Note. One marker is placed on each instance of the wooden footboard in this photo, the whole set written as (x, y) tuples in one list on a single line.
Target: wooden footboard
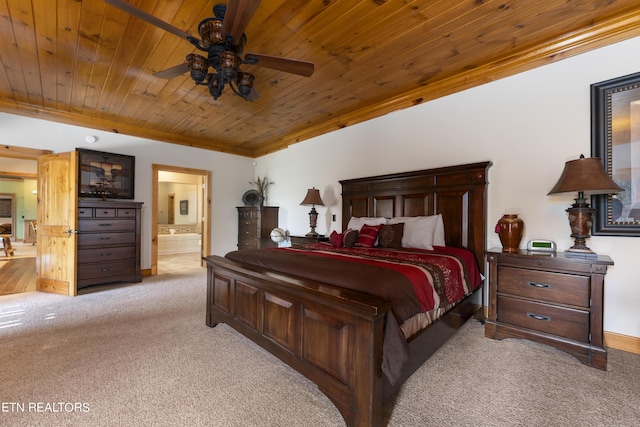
[(331, 335)]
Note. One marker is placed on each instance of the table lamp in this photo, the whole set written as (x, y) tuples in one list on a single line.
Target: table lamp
[(312, 198), (584, 176)]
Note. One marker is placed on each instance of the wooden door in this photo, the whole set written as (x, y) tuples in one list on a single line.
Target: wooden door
[(57, 221)]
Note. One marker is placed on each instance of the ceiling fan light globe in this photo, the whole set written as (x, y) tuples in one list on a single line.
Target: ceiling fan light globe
[(245, 83), (228, 64), (197, 62), (198, 67), (215, 86), (210, 31), (245, 79)]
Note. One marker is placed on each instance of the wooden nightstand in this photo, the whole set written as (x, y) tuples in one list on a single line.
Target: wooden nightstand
[(549, 298), (298, 241)]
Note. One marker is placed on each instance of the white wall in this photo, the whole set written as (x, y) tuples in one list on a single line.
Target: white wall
[(230, 174), (528, 125)]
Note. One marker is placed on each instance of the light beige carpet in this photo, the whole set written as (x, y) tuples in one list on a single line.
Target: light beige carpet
[(141, 355)]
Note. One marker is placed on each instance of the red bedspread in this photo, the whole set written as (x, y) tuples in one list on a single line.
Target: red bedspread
[(413, 280)]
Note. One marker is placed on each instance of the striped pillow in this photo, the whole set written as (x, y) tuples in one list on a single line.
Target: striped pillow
[(367, 236)]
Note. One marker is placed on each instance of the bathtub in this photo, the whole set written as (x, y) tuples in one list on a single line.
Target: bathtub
[(178, 243)]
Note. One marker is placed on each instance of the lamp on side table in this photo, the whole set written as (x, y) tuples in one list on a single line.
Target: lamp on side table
[(312, 199)]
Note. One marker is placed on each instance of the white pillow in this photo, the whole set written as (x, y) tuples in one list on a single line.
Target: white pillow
[(418, 230), (356, 223)]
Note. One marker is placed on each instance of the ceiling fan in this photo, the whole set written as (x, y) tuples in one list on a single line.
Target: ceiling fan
[(223, 39)]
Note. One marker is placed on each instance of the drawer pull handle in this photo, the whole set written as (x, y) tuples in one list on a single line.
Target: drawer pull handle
[(539, 317), (105, 225), (105, 254), (539, 285), (104, 270)]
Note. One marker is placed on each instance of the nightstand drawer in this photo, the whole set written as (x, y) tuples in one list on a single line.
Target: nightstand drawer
[(544, 286), (545, 263), (565, 322)]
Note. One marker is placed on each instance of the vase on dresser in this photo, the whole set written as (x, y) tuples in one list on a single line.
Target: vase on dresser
[(510, 229)]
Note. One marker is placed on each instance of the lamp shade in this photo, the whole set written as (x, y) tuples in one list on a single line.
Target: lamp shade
[(585, 175), (312, 198)]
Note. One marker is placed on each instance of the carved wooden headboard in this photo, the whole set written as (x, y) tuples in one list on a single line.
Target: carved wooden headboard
[(456, 192)]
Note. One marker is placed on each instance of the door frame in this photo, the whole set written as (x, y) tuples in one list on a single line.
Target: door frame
[(205, 247)]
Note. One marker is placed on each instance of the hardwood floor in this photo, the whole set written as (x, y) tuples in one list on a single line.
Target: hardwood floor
[(18, 272), (17, 275)]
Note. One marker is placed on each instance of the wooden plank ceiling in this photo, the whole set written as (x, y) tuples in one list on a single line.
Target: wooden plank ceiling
[(88, 63)]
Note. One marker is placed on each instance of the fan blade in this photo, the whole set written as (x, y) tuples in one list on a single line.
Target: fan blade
[(237, 17), (293, 66), (138, 13), (172, 72)]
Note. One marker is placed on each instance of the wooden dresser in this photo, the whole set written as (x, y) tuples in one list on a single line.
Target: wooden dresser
[(108, 242), (549, 298), (254, 226)]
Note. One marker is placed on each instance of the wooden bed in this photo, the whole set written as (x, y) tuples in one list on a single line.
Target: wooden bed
[(332, 335)]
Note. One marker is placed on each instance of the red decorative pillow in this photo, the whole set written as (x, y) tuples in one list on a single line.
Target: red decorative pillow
[(367, 236), (390, 236), (336, 239)]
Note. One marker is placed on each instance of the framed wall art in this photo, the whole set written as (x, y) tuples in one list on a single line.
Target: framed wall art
[(184, 207), (6, 208), (615, 139), (105, 175)]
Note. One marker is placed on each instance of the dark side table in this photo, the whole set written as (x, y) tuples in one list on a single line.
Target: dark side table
[(549, 298)]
